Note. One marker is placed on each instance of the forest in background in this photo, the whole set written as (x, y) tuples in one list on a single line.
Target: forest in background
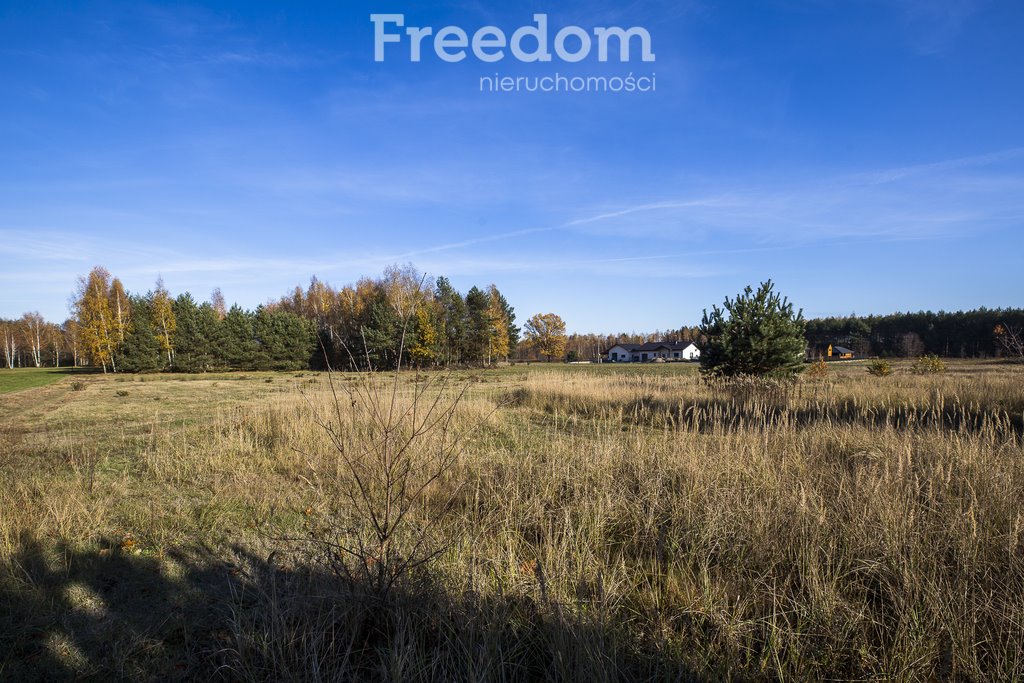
[(405, 317), (979, 333)]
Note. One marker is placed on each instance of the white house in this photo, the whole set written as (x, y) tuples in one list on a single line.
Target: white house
[(643, 353)]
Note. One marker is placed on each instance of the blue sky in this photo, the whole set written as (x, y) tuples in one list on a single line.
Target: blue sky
[(866, 155)]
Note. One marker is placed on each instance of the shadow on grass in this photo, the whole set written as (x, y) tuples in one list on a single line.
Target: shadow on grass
[(102, 614), (67, 614)]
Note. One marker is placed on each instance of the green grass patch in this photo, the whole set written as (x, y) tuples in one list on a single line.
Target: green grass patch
[(30, 378)]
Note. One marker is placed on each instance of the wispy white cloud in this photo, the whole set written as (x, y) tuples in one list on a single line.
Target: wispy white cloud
[(679, 266), (936, 200), (57, 247), (469, 243), (657, 206), (978, 160)]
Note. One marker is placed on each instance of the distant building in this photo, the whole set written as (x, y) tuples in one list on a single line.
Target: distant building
[(644, 353), (838, 352)]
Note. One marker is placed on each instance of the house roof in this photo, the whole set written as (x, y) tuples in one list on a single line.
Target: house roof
[(841, 349), (627, 347), (652, 346), (671, 346)]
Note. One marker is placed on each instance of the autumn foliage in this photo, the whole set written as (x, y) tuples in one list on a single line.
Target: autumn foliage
[(545, 333)]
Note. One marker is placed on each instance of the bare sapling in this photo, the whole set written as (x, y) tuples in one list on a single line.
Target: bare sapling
[(393, 444)]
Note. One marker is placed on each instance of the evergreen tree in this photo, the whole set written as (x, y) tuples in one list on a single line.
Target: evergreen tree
[(140, 351), (285, 341), (451, 321), (212, 328), (510, 320), (757, 333), (380, 335), (328, 351), (194, 336), (238, 350), (477, 327)]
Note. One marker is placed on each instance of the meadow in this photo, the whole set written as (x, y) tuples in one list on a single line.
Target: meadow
[(523, 523), (29, 378)]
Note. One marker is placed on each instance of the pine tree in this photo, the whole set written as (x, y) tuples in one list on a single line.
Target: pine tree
[(194, 337), (757, 333), (380, 335), (477, 335), (213, 332), (285, 341), (451, 322), (238, 347), (510, 318), (141, 350)]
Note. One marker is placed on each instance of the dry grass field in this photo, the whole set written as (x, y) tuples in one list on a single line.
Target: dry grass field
[(525, 523)]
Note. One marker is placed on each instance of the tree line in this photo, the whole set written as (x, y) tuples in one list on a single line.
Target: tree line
[(981, 333), (398, 319), (154, 331), (402, 317)]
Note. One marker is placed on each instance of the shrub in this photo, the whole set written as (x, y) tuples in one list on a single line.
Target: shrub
[(391, 453), (77, 385), (928, 364), (880, 368), (817, 370)]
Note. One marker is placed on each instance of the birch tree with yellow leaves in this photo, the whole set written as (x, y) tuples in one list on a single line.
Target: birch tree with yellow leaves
[(163, 320), (96, 325), (425, 339)]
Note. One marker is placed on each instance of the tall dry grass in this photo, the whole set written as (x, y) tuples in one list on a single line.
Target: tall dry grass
[(599, 526)]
